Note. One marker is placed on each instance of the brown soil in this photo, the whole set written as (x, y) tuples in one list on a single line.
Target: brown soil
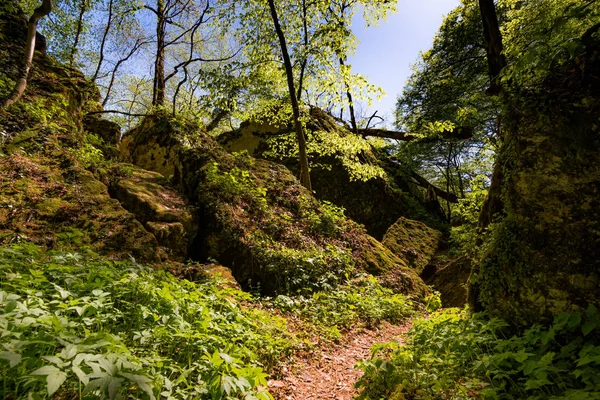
[(329, 373)]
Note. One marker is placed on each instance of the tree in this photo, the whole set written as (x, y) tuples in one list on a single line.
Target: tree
[(493, 43), (313, 47), (304, 169), (456, 125), (44, 9)]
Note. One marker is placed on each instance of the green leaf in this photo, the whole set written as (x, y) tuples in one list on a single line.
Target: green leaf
[(588, 326), (13, 358), (81, 375), (226, 357), (10, 306), (46, 370), (113, 387), (69, 352), (54, 380)]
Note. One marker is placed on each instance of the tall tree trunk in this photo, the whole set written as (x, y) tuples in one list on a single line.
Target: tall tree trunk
[(158, 96), (44, 9), (304, 169), (493, 44), (78, 32), (496, 62)]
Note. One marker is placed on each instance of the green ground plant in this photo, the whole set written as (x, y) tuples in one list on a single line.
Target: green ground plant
[(361, 301), (75, 326), (456, 355)]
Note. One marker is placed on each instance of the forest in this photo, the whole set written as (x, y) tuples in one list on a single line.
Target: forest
[(195, 203)]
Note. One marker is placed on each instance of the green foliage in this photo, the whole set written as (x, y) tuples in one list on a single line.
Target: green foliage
[(237, 183), (538, 34), (433, 302), (329, 221), (82, 327), (89, 155), (352, 151), (308, 270), (363, 300), (466, 233), (456, 355)]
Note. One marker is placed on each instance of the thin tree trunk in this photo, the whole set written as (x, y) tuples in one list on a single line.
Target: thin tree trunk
[(158, 96), (103, 43), (305, 59), (78, 32), (350, 101), (44, 9), (493, 203), (304, 169), (493, 44)]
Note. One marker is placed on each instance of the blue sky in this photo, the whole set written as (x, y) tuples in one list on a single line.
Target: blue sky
[(385, 53)]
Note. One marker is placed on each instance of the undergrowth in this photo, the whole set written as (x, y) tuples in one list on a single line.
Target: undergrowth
[(362, 301), (454, 355), (75, 326)]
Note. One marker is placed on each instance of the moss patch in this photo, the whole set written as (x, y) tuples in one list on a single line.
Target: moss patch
[(412, 241)]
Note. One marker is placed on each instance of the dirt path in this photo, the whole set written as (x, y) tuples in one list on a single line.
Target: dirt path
[(329, 373)]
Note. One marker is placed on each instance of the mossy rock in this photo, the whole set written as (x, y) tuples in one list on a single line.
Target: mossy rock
[(46, 195), (256, 217), (413, 241), (451, 280), (41, 205), (160, 208), (543, 256), (376, 203)]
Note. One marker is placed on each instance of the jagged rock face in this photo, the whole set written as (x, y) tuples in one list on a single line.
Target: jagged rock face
[(161, 210), (544, 253), (413, 241), (46, 195), (376, 203), (257, 219)]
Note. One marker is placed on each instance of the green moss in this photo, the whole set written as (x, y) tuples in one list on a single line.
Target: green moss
[(413, 241)]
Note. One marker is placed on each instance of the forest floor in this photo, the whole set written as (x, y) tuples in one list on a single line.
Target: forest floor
[(328, 372)]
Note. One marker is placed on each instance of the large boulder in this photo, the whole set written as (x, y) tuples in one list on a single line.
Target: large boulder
[(543, 256), (450, 279), (256, 217), (413, 241)]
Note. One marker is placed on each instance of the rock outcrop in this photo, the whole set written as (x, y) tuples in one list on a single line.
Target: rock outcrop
[(257, 219), (544, 203), (161, 209), (46, 194), (451, 279), (342, 157)]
